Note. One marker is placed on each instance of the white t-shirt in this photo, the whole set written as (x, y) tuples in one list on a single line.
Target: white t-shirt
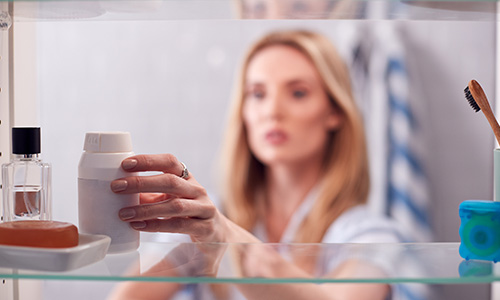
[(356, 225)]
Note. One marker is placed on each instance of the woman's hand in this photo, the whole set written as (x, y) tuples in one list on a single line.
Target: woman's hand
[(169, 203)]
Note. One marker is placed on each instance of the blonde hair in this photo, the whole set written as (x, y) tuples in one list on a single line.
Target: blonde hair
[(346, 179)]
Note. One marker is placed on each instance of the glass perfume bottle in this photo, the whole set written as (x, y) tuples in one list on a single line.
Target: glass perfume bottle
[(26, 180)]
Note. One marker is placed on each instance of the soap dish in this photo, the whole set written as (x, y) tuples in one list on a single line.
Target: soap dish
[(90, 249)]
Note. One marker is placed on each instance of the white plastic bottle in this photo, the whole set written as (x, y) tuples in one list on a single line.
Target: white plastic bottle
[(98, 206)]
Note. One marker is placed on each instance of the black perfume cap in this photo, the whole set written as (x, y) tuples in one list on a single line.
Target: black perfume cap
[(26, 140)]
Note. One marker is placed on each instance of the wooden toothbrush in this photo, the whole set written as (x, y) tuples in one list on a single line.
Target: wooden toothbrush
[(477, 99)]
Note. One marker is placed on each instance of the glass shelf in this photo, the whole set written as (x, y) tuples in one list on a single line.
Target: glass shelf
[(429, 263), (113, 10)]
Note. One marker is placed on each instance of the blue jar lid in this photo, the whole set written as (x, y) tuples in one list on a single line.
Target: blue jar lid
[(480, 205)]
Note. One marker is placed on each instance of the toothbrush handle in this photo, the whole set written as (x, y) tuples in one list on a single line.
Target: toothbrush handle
[(493, 123), (481, 100)]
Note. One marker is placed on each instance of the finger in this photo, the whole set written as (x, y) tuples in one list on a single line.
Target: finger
[(166, 163), (193, 227), (153, 197), (172, 208), (163, 183)]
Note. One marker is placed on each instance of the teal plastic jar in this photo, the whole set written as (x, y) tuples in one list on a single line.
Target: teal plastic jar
[(480, 230)]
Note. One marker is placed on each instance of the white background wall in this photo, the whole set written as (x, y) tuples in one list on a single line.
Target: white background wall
[(169, 82), (443, 57)]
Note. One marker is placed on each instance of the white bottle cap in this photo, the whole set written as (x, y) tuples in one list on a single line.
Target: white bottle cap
[(103, 154), (108, 142)]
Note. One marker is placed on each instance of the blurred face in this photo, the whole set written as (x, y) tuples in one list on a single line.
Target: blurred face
[(286, 110)]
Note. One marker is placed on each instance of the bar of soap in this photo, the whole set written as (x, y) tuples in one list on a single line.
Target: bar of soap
[(35, 233)]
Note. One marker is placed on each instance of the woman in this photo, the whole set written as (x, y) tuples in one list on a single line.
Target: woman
[(296, 170)]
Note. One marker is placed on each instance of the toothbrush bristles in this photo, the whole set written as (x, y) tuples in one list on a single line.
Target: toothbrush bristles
[(471, 100)]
